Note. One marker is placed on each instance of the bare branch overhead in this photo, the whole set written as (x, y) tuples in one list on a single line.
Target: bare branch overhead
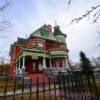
[(4, 23), (96, 14), (4, 4)]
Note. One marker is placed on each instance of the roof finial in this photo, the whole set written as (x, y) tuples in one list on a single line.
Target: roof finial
[(56, 23), (26, 36)]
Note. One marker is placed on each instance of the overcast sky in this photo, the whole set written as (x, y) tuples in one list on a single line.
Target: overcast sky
[(26, 16)]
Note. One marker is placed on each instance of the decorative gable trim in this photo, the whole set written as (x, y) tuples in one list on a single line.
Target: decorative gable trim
[(34, 48)]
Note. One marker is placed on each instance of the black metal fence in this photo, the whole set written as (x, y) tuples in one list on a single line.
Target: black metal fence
[(64, 86)]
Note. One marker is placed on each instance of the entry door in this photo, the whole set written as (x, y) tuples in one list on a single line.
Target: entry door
[(40, 61), (35, 66)]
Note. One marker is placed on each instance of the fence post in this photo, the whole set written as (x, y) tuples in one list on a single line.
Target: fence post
[(95, 86), (89, 83), (59, 83), (5, 91), (14, 88), (49, 90), (76, 85), (30, 88), (37, 85), (64, 87), (80, 85), (86, 84), (83, 84), (55, 88), (68, 84), (72, 84), (43, 89), (22, 88)]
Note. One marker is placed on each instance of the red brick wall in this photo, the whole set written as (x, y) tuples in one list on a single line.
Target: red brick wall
[(62, 46), (49, 45), (14, 53)]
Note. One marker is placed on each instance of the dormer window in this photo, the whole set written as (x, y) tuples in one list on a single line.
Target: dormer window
[(40, 44), (34, 43)]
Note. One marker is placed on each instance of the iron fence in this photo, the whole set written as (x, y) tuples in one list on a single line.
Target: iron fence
[(64, 86)]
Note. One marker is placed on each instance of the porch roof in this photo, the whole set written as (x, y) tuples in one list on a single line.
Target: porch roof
[(32, 51)]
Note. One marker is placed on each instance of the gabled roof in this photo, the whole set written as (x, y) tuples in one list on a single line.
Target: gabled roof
[(43, 32), (38, 30)]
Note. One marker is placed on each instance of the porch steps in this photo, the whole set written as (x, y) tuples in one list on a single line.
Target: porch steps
[(54, 72), (34, 78), (51, 72), (41, 77)]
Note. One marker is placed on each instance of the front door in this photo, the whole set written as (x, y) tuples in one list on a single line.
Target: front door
[(40, 63), (35, 66)]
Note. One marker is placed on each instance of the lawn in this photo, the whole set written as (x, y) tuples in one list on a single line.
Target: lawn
[(33, 97), (10, 85)]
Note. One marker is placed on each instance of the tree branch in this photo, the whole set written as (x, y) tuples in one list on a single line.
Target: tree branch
[(4, 4), (96, 15), (4, 23)]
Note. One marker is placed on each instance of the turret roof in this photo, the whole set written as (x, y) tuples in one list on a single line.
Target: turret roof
[(57, 31)]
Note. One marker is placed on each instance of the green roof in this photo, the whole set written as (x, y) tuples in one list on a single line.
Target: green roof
[(43, 32)]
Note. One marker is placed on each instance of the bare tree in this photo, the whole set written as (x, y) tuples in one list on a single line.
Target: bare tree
[(3, 22), (93, 12)]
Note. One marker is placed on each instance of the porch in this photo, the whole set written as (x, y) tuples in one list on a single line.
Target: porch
[(35, 60)]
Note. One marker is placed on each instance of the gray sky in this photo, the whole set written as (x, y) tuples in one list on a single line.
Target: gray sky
[(27, 15)]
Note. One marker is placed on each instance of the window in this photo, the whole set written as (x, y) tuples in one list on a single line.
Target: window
[(33, 43), (40, 45), (38, 42), (61, 38)]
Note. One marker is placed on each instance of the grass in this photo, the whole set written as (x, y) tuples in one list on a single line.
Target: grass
[(33, 97), (10, 85)]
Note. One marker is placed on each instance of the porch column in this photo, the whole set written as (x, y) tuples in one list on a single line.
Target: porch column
[(44, 63), (19, 68), (50, 63), (67, 64), (23, 65), (63, 63)]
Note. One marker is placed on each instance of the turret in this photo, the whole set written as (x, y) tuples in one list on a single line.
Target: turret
[(59, 35)]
